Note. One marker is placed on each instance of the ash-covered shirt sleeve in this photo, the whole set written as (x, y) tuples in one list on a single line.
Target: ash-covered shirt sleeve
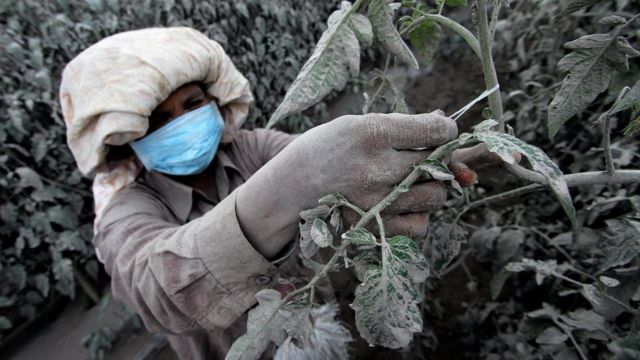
[(203, 274)]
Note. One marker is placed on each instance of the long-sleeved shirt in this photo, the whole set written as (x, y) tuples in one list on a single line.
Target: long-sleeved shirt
[(180, 259)]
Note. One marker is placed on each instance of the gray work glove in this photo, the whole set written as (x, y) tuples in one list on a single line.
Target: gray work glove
[(360, 156)]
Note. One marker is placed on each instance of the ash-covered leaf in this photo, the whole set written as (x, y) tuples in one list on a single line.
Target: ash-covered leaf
[(445, 242), (320, 233), (308, 247), (542, 268), (593, 295), (612, 20), (362, 28), (359, 236), (335, 57), (386, 33), (333, 199), (386, 302), (631, 98), (552, 336), (296, 322), (609, 281), (29, 178), (590, 68), (385, 92), (576, 5), (436, 170), (627, 348), (425, 38), (63, 273), (506, 145), (363, 262), (626, 247)]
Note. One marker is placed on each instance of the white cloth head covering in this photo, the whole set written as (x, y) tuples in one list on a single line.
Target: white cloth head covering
[(109, 90)]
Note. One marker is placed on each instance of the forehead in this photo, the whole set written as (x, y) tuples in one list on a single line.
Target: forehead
[(181, 93)]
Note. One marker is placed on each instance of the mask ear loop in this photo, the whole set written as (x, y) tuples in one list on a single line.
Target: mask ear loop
[(460, 112)]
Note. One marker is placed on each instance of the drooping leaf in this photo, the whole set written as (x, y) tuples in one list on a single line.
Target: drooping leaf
[(631, 98), (590, 68), (359, 236), (506, 145), (552, 336), (296, 322), (362, 28), (386, 92), (335, 57), (386, 302), (425, 38), (576, 5), (386, 33)]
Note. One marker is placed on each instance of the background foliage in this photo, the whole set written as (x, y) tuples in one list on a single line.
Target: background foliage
[(46, 210)]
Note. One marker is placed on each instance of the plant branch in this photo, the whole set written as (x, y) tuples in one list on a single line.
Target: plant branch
[(467, 35), (579, 179), (490, 75)]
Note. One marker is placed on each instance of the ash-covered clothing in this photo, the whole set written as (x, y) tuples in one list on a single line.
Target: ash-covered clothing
[(180, 259)]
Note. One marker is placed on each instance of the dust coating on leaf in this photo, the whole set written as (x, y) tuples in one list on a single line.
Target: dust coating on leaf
[(386, 302), (335, 57), (386, 33)]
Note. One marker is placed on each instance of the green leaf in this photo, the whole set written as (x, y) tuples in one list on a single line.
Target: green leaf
[(590, 68), (320, 233), (630, 98), (386, 33), (576, 5), (359, 236), (456, 3), (506, 145), (386, 302), (335, 57), (425, 38)]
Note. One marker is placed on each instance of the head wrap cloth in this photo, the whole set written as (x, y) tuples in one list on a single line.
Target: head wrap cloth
[(109, 90)]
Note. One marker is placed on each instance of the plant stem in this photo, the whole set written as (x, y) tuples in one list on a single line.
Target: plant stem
[(467, 35), (608, 156), (490, 75), (579, 179)]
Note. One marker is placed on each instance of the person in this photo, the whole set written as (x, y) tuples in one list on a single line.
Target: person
[(195, 215)]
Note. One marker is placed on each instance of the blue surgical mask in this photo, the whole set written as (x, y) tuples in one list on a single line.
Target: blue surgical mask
[(184, 146)]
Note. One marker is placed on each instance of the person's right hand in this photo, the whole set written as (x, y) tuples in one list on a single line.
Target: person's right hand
[(362, 157)]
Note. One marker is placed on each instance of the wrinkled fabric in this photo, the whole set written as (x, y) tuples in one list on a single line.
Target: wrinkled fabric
[(109, 90), (180, 259)]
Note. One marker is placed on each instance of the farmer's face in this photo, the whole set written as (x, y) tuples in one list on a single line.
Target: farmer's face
[(184, 99)]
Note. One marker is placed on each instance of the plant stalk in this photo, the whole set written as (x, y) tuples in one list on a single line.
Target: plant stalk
[(489, 69)]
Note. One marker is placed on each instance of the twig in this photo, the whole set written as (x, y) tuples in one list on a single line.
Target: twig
[(490, 75)]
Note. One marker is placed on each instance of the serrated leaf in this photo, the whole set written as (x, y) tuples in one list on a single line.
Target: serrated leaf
[(335, 57), (590, 68), (631, 98), (576, 5), (506, 145), (425, 38), (386, 302), (320, 233), (386, 33), (552, 336), (359, 236)]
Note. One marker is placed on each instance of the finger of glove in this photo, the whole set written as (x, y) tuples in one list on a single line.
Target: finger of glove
[(403, 131), (426, 196), (400, 164), (413, 225)]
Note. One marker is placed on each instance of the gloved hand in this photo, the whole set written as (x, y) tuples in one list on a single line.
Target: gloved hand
[(361, 157)]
